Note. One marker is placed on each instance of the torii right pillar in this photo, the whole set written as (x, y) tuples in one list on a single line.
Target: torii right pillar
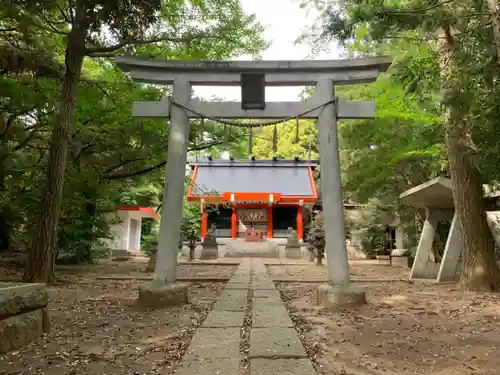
[(339, 292)]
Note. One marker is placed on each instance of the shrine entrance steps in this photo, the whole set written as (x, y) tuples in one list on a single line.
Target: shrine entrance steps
[(239, 248), (248, 331)]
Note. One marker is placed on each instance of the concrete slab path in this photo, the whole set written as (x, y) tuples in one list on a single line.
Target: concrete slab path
[(249, 300)]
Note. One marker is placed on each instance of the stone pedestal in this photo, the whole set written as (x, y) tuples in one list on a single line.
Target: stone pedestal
[(154, 296), (340, 297), (293, 247), (23, 314), (239, 248), (293, 251), (209, 249), (208, 253)]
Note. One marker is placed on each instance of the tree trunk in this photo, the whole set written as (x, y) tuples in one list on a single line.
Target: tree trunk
[(43, 250), (4, 220), (4, 231), (479, 269), (495, 25), (434, 256), (192, 248), (91, 210)]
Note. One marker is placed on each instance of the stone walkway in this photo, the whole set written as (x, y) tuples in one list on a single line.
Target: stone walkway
[(275, 348)]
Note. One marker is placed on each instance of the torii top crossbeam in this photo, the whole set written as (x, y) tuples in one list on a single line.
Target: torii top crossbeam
[(278, 73)]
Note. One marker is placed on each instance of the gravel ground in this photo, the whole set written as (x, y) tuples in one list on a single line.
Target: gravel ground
[(358, 269), (406, 328), (97, 327)]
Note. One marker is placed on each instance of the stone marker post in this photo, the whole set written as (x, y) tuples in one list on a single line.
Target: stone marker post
[(210, 247), (293, 247)]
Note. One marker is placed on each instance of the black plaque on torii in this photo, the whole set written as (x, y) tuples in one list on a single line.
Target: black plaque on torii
[(253, 91)]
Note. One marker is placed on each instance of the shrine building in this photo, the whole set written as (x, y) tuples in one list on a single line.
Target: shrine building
[(268, 196)]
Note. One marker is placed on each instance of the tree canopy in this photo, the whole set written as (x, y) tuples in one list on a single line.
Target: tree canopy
[(446, 57), (68, 144)]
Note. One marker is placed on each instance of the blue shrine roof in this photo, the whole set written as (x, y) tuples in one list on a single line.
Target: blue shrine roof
[(287, 177)]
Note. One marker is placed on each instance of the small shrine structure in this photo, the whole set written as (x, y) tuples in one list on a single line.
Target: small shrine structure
[(436, 197), (126, 224)]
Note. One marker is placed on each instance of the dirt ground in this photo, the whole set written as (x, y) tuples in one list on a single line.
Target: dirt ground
[(135, 268), (406, 328), (98, 329), (375, 270), (131, 268)]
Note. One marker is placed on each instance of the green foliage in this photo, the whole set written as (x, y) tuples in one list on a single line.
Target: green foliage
[(150, 230), (316, 236), (401, 148), (411, 32), (81, 237), (447, 52), (191, 218), (147, 195), (404, 146), (287, 147), (112, 158), (191, 223), (371, 223)]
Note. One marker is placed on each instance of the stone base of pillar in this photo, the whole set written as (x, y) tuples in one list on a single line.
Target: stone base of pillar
[(339, 297), (293, 252), (209, 253), (428, 270), (163, 296)]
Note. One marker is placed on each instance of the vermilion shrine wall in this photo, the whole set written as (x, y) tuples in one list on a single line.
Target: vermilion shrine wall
[(266, 224)]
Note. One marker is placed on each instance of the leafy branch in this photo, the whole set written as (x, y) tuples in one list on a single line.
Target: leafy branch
[(163, 163)]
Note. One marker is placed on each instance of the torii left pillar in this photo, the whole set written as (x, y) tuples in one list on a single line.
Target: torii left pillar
[(164, 291)]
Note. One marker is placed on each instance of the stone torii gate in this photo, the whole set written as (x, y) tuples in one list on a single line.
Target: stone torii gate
[(323, 106)]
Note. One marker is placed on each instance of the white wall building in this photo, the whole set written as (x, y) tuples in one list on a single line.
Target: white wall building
[(126, 227)]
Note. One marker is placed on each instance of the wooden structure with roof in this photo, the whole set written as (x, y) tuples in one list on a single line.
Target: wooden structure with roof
[(126, 231), (436, 197), (267, 195)]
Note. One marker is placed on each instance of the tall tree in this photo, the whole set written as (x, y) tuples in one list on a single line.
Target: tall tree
[(460, 36), (286, 141), (403, 147), (100, 29)]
